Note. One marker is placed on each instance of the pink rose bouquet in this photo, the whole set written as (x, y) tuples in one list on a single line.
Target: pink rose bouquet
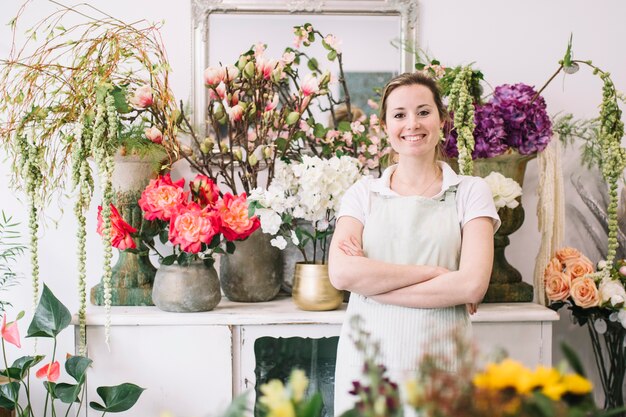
[(197, 222)]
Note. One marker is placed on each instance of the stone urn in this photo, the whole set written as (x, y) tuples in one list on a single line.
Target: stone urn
[(133, 274)]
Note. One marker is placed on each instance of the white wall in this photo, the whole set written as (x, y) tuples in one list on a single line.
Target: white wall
[(511, 41)]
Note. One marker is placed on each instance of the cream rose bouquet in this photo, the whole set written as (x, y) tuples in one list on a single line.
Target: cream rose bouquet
[(308, 191), (505, 191), (198, 222), (599, 303)]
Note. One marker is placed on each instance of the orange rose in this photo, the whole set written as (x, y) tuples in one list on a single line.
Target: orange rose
[(578, 267), (584, 292), (557, 285), (568, 253)]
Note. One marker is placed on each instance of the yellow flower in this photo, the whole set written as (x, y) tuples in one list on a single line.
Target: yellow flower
[(414, 393), (284, 409), (505, 374), (298, 383), (274, 394), (577, 384), (554, 391), (541, 377)]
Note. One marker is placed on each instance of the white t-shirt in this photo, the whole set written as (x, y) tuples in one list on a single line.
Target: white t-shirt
[(473, 196)]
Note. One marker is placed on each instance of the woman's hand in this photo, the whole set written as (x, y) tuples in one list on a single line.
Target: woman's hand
[(351, 247)]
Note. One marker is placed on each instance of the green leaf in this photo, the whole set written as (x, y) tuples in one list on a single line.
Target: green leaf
[(14, 373), (50, 317), (118, 398), (164, 236), (50, 386), (209, 261), (168, 260), (344, 126), (119, 97), (572, 359), (332, 55), (230, 248), (319, 130), (351, 413), (215, 242), (25, 363), (76, 367), (313, 64), (10, 392), (544, 405), (67, 393), (184, 258), (281, 144), (311, 408)]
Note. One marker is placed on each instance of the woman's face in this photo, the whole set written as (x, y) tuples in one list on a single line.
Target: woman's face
[(412, 121)]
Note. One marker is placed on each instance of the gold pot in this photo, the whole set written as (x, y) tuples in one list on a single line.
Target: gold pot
[(312, 290)]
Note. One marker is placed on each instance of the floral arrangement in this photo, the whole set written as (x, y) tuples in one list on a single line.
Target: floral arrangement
[(505, 191), (349, 131), (507, 388), (599, 303), (50, 318), (198, 222), (86, 91), (310, 190), (514, 118), (254, 118)]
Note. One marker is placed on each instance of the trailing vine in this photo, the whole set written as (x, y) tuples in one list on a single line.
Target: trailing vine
[(612, 158), (461, 104)]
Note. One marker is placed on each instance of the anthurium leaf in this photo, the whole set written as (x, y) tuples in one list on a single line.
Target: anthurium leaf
[(25, 363), (26, 412), (10, 392), (118, 398), (68, 393), (573, 359), (312, 407), (50, 386), (14, 373), (6, 403), (76, 367), (50, 317)]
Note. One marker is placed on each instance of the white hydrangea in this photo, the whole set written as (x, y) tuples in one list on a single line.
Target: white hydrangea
[(270, 220), (504, 190)]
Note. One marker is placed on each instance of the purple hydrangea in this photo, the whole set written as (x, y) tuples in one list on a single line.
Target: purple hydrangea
[(527, 125), (489, 135), (509, 120)]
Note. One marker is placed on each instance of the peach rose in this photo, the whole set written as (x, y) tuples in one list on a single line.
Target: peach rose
[(192, 226), (557, 285), (162, 198), (567, 253), (584, 292), (553, 266), (233, 211), (204, 191), (578, 267)]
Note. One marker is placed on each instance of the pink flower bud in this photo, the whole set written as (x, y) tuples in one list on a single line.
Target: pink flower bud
[(154, 134), (271, 105), (142, 97), (213, 75), (310, 85), (235, 113), (622, 270)]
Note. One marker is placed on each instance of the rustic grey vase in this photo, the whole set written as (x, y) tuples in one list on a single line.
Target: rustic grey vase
[(254, 272), (182, 289)]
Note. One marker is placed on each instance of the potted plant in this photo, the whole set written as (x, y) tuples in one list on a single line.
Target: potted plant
[(198, 223), (309, 191), (95, 89), (50, 318)]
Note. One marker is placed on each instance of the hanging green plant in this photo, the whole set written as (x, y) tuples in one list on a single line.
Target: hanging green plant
[(461, 104)]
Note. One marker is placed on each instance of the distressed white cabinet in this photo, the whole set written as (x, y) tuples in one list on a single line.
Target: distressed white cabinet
[(193, 364)]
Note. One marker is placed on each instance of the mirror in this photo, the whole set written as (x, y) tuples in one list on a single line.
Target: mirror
[(223, 29)]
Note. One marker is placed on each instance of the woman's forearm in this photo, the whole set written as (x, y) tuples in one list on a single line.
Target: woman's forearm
[(370, 277), (449, 289)]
